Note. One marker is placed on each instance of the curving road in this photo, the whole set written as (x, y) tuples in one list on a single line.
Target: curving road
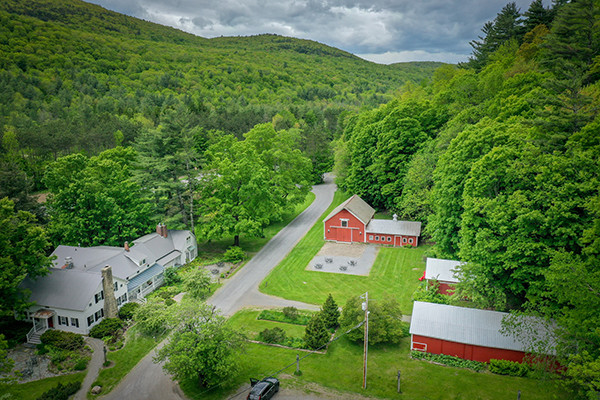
[(148, 381)]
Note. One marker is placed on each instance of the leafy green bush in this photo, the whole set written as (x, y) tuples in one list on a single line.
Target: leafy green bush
[(505, 367), (62, 340), (107, 327), (448, 360), (296, 343), (290, 312), (80, 365), (127, 310), (275, 335), (234, 254), (279, 316), (431, 294), (171, 276), (61, 392)]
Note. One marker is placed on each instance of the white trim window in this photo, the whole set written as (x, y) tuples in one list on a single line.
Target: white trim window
[(377, 238), (389, 238), (403, 240), (370, 237), (343, 223), (90, 320), (75, 322), (410, 241), (63, 320)]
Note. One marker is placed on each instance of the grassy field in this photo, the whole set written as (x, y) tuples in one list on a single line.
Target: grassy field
[(33, 390), (395, 272), (341, 369), (136, 347), (208, 251)]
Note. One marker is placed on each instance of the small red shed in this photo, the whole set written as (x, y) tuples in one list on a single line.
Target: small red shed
[(442, 271), (466, 333), (352, 221)]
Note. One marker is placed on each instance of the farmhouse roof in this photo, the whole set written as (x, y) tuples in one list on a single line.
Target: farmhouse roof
[(358, 207), (442, 270), (63, 288), (391, 227), (471, 326)]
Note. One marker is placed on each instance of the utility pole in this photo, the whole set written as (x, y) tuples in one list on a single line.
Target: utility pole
[(366, 309)]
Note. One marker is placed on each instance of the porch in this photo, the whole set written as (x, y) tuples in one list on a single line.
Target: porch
[(42, 321)]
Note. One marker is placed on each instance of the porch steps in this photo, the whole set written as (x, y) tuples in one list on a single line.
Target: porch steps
[(34, 338)]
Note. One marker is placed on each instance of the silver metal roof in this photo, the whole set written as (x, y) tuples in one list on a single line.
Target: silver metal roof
[(64, 288), (440, 269), (391, 227), (356, 206), (466, 325), (146, 275)]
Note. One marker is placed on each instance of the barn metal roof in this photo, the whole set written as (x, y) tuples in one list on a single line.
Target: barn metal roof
[(356, 206), (471, 326), (391, 227), (442, 270)]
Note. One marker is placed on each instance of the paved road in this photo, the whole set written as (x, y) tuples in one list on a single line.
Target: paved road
[(148, 381)]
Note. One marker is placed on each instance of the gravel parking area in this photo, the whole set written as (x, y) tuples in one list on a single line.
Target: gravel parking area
[(341, 258)]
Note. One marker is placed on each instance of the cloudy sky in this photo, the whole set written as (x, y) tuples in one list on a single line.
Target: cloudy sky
[(384, 31)]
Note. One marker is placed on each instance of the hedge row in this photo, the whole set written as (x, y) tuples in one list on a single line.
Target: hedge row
[(448, 360)]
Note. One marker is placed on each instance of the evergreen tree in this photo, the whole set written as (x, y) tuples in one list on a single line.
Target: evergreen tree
[(330, 313), (536, 15), (316, 334)]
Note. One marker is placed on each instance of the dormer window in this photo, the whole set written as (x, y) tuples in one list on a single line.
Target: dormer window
[(143, 262)]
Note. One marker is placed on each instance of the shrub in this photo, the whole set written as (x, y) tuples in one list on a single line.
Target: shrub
[(234, 254), (61, 392), (62, 340), (431, 294), (448, 360), (505, 367), (106, 327), (290, 312), (171, 277), (80, 365), (279, 316), (316, 333), (275, 335), (127, 310)]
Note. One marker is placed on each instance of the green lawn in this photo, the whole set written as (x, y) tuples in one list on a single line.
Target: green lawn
[(341, 369), (33, 390), (208, 251), (252, 326), (395, 272), (136, 347)]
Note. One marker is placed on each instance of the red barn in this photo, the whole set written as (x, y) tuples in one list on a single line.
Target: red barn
[(467, 333), (442, 271), (352, 222)]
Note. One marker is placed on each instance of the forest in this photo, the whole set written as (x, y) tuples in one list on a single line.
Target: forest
[(499, 157), (121, 122)]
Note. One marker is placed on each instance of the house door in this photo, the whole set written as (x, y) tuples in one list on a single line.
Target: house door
[(51, 322)]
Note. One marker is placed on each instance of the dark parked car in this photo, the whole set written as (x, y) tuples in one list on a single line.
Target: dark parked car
[(264, 389)]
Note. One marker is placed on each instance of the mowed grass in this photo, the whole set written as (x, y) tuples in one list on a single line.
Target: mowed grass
[(136, 347), (341, 369), (253, 326), (213, 249), (34, 389), (395, 272)]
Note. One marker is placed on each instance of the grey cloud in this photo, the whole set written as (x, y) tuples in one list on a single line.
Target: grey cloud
[(359, 26)]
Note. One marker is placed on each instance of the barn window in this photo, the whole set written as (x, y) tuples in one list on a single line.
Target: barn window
[(376, 238), (403, 240), (389, 238), (370, 237), (410, 240), (344, 223)]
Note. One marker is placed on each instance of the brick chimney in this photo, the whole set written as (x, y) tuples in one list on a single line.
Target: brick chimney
[(126, 246), (165, 233), (159, 229), (110, 302)]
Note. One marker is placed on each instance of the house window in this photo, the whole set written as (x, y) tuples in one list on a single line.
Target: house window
[(99, 296), (389, 238), (377, 238), (118, 301), (75, 322), (370, 237), (124, 298), (344, 223), (99, 314), (90, 320), (116, 286), (63, 321)]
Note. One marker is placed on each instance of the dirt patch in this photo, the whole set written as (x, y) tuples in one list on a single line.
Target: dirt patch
[(354, 250), (221, 270), (28, 365)]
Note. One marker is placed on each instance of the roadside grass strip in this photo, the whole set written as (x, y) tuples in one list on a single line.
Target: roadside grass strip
[(34, 389), (395, 272)]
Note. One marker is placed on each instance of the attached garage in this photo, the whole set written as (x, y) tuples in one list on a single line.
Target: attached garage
[(467, 333)]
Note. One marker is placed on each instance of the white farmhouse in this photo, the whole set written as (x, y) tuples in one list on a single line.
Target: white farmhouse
[(72, 297)]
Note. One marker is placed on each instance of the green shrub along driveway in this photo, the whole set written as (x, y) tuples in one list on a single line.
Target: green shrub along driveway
[(395, 272)]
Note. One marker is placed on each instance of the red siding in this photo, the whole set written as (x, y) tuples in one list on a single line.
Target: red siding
[(446, 288), (466, 351), (354, 232)]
